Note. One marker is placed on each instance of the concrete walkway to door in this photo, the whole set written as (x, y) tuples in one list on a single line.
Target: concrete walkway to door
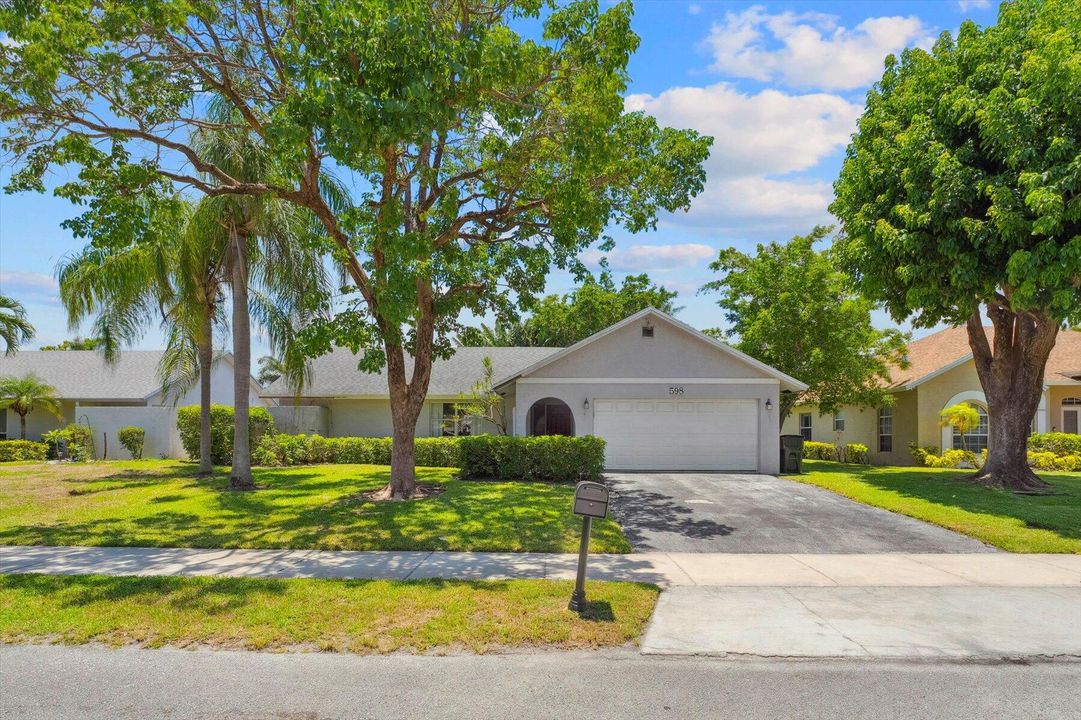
[(735, 513)]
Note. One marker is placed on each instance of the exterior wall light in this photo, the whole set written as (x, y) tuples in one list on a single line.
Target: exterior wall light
[(769, 404), (585, 404)]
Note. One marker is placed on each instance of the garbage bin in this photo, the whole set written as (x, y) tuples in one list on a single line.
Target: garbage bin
[(791, 453)]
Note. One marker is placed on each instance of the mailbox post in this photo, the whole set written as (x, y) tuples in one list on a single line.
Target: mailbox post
[(590, 501)]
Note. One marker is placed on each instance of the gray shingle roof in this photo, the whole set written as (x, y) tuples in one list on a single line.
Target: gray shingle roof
[(336, 374), (84, 374)]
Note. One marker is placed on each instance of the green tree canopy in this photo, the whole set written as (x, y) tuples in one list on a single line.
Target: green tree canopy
[(76, 343), (791, 306), (962, 189), (477, 156), (562, 320)]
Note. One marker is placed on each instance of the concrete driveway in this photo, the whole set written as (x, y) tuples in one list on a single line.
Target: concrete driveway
[(729, 513)]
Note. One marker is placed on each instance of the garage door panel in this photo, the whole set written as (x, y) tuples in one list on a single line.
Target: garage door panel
[(679, 434)]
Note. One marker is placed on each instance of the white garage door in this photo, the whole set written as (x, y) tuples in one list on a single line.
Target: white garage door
[(678, 434)]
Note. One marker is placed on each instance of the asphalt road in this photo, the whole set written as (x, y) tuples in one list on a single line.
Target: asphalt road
[(733, 513), (92, 683)]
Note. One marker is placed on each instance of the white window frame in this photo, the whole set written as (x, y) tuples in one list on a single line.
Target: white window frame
[(838, 417), (1070, 404), (809, 428), (985, 420), (457, 422), (885, 413)]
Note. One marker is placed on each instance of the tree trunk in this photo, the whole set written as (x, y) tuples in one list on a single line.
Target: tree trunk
[(407, 398), (1012, 378), (241, 478), (206, 360), (22, 426)]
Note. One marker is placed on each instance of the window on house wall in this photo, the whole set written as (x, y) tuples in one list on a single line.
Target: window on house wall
[(885, 429), (4, 424), (838, 422), (448, 421), (1071, 415), (805, 426), (976, 439)]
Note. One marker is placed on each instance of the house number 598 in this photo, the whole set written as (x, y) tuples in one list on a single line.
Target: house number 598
[(675, 389)]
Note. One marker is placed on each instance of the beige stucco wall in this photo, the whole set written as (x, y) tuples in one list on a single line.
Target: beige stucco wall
[(1055, 395), (670, 353), (936, 393), (861, 426)]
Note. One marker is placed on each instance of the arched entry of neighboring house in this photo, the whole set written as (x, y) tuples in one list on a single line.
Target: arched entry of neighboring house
[(550, 416)]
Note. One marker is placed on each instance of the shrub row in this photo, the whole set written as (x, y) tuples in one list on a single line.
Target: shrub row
[(551, 458), (481, 457), (281, 450), (955, 459), (23, 450), (1057, 443), (850, 452), (260, 422)]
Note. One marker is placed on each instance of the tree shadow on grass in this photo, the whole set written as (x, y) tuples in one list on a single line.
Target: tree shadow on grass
[(1059, 513)]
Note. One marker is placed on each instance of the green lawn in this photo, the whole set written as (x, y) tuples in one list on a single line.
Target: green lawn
[(1018, 523), (161, 503), (362, 616)]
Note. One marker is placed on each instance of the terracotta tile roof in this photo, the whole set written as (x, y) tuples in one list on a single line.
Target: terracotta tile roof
[(946, 347)]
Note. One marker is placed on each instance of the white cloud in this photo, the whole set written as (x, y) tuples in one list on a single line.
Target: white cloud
[(757, 206), (30, 287), (967, 5), (694, 9), (651, 257), (770, 132), (810, 50)]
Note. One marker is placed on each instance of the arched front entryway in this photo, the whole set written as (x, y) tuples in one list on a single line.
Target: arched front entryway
[(550, 416)]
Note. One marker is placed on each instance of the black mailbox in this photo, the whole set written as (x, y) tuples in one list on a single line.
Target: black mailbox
[(591, 499)]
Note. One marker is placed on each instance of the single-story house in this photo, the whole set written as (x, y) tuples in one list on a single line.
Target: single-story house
[(109, 397), (663, 395), (941, 373)]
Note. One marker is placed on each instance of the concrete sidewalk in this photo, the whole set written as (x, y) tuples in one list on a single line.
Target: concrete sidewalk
[(664, 569)]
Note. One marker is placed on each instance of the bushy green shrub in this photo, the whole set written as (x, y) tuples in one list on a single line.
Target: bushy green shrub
[(22, 450), (955, 459), (260, 422), (1044, 460), (1057, 443), (79, 440), (856, 453), (551, 458), (813, 450), (133, 438), (282, 450), (919, 453)]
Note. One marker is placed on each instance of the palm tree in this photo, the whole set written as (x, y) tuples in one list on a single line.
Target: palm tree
[(274, 261), (25, 394), (15, 329), (963, 417), (270, 369), (175, 278)]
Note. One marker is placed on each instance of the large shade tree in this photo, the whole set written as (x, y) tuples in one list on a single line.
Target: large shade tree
[(479, 156), (962, 190), (562, 320), (791, 306)]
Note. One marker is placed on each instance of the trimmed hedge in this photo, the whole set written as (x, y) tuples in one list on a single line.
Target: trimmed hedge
[(550, 458), (22, 450), (260, 422), (79, 440), (1057, 443), (850, 452), (133, 438), (482, 457), (955, 459), (281, 450), (1051, 461)]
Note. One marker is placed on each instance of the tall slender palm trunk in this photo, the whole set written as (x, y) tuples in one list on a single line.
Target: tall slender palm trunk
[(241, 477), (22, 427), (206, 360)]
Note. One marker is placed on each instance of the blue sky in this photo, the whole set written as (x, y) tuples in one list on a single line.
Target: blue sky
[(779, 86)]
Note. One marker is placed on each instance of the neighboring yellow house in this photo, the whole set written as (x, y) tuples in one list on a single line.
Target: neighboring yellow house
[(941, 373)]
